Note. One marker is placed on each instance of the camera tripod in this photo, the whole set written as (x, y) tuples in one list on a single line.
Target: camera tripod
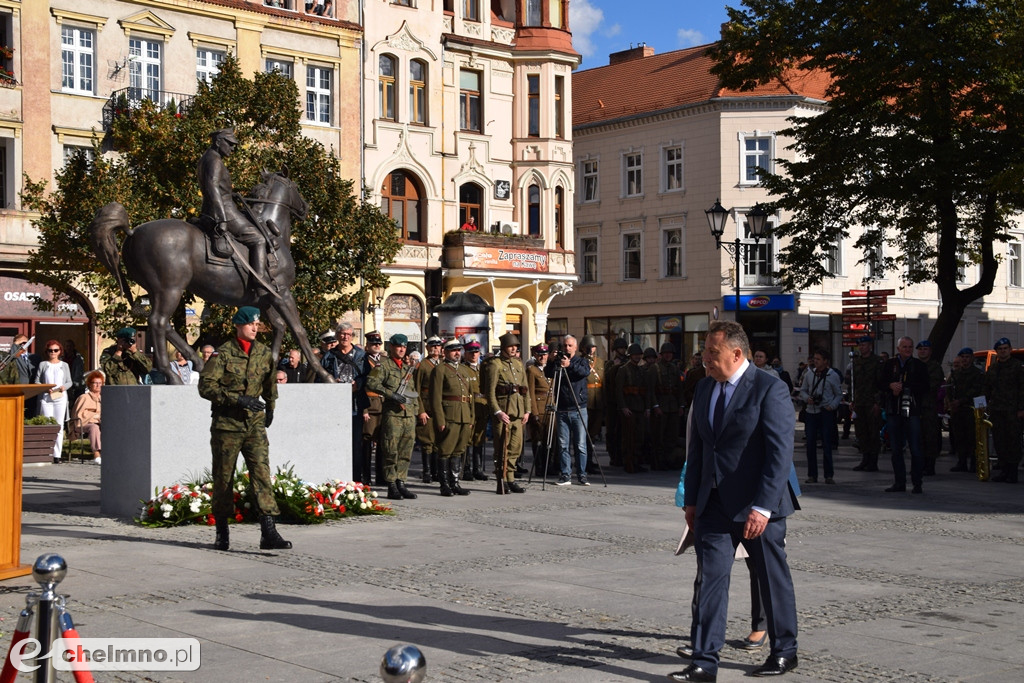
[(551, 414)]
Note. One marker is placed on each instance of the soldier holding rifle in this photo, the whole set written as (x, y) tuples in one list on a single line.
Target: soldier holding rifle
[(503, 381)]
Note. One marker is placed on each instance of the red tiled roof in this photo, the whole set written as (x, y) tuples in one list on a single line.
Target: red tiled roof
[(666, 81)]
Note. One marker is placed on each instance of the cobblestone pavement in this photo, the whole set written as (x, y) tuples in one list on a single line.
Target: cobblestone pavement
[(560, 584)]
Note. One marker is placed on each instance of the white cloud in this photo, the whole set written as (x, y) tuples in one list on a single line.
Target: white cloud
[(584, 21), (612, 31), (688, 37)]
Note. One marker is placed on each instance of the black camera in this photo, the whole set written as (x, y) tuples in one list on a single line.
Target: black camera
[(558, 354)]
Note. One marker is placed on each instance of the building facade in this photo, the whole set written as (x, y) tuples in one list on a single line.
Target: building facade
[(650, 160), (68, 59)]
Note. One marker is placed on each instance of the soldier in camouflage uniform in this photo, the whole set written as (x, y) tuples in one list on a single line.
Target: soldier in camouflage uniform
[(595, 399), (123, 363), (631, 397), (503, 380), (867, 423), (425, 429), (240, 384), (1004, 388), (613, 417), (666, 401), (931, 428), (473, 462), (454, 413), (967, 381), (391, 380)]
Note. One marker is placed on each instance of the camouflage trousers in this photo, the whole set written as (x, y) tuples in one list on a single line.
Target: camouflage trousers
[(398, 435), (255, 449), (513, 432)]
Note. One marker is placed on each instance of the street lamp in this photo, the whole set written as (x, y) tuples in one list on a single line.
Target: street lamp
[(757, 220)]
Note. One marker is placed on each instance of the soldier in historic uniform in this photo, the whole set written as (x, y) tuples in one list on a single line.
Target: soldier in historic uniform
[(1004, 389), (425, 430), (666, 401), (967, 382), (473, 461), (123, 363), (931, 428), (537, 427), (612, 414), (693, 374), (240, 384), (454, 413), (503, 380), (867, 423), (391, 379), (372, 407), (631, 396), (595, 398)]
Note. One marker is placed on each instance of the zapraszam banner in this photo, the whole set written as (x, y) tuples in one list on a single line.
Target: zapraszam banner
[(500, 258)]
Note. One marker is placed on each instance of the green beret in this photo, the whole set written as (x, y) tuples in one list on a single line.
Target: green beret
[(399, 340), (125, 333), (246, 315)]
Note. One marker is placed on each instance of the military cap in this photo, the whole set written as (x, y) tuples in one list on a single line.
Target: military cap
[(635, 350), (507, 340), (471, 346), (328, 337), (540, 348), (125, 333), (374, 338), (452, 344), (435, 341), (399, 340), (1001, 341), (588, 342), (668, 347), (865, 338), (619, 343), (246, 315), (924, 344), (966, 351)]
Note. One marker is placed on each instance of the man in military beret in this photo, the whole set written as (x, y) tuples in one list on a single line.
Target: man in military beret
[(371, 407), (123, 363), (966, 383), (425, 429), (1004, 388), (240, 384), (613, 418), (633, 402), (451, 398), (503, 380), (392, 379)]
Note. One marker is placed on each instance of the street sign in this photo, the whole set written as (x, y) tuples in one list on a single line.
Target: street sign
[(883, 316), (873, 292), (862, 327), (876, 306), (858, 317)]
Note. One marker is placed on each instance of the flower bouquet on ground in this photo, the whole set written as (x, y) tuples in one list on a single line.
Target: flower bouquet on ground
[(300, 502)]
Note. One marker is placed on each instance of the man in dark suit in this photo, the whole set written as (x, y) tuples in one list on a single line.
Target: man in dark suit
[(739, 458)]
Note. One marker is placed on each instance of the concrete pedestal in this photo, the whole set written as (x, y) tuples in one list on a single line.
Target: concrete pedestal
[(159, 435)]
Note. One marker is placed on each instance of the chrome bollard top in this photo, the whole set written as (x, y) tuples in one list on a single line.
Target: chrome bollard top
[(49, 570), (403, 664)]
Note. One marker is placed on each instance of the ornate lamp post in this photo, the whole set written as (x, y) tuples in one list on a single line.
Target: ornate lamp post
[(718, 216), (378, 308)]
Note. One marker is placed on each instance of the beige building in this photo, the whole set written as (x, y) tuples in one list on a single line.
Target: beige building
[(651, 159), (69, 58), (466, 119)]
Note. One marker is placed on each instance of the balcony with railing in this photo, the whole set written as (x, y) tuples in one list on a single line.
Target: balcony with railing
[(126, 100), (516, 254)]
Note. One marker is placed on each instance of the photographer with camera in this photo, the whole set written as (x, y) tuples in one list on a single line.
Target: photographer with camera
[(123, 363), (568, 372), (903, 384), (821, 393)]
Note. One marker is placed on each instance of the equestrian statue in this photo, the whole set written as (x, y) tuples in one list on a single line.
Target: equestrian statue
[(236, 253)]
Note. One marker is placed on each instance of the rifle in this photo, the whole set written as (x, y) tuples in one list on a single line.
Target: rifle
[(507, 428), (13, 353)]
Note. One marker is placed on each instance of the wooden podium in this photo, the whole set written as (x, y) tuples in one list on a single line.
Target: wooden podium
[(12, 429)]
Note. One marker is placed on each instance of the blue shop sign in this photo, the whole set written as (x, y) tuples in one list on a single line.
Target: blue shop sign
[(761, 302)]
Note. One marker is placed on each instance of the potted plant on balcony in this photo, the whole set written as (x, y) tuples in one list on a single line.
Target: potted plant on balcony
[(40, 436)]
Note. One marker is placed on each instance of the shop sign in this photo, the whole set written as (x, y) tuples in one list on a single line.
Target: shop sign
[(18, 298), (501, 258), (670, 323), (761, 302)]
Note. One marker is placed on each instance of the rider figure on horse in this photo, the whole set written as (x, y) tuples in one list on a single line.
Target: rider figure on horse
[(219, 208)]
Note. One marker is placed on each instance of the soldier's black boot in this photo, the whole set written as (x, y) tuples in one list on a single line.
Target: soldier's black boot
[(435, 473), (478, 463), (425, 457), (270, 539), (393, 492), (406, 493), (465, 464), (453, 477), (443, 477), (221, 542)]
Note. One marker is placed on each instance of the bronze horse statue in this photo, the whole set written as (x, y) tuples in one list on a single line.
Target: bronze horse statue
[(169, 256)]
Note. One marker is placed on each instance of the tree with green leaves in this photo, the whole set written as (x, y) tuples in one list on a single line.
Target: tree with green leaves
[(921, 146), (338, 249)]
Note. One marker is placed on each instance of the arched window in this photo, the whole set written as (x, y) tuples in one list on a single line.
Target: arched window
[(470, 196), (386, 87), (559, 217), (533, 210), (402, 201), (417, 91)]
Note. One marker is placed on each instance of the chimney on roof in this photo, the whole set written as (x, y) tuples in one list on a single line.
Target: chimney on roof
[(638, 52)]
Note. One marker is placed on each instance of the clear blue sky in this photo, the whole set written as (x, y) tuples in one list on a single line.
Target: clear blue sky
[(600, 27)]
